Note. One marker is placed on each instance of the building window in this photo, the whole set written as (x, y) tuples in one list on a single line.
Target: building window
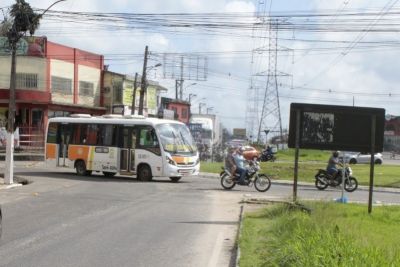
[(86, 88), (184, 113), (58, 113), (27, 80), (61, 85)]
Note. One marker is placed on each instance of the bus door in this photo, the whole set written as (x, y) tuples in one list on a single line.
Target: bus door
[(63, 140), (127, 157)]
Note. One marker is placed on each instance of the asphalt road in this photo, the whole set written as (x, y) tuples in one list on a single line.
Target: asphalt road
[(65, 220)]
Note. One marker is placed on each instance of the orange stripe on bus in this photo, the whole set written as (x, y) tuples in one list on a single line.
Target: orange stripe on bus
[(51, 151), (78, 152)]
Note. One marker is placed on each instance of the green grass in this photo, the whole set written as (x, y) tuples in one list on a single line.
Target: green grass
[(312, 160), (332, 235)]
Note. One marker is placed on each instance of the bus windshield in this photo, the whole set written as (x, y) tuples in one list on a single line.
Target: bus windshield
[(176, 138)]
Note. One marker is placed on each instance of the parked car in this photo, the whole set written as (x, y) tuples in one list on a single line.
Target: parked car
[(250, 153), (356, 157)]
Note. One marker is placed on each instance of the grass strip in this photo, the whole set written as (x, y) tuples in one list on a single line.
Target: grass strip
[(332, 234)]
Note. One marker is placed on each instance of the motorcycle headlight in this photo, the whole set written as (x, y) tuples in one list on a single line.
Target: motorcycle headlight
[(350, 171)]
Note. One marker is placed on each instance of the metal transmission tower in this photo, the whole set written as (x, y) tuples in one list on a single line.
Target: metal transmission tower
[(183, 67), (271, 106)]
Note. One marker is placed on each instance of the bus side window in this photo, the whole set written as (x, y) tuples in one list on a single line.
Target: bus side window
[(92, 131), (148, 140)]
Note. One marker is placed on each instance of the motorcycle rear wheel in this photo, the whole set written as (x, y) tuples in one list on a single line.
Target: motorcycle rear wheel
[(262, 183), (227, 182), (319, 184), (350, 184)]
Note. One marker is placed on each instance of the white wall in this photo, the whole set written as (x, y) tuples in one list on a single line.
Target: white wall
[(91, 75), (62, 69), (25, 64)]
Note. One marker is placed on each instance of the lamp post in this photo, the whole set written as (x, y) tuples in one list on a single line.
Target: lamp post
[(190, 97), (181, 91), (200, 105), (209, 109)]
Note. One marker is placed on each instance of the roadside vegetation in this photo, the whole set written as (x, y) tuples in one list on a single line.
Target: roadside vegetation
[(312, 160), (332, 234)]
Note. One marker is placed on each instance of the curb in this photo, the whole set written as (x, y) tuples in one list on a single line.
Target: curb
[(238, 235)]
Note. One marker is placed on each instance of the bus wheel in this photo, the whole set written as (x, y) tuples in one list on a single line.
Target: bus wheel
[(144, 173), (175, 179), (81, 168), (109, 174)]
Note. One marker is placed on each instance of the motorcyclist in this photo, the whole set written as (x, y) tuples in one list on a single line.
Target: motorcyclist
[(239, 161), (333, 162), (230, 161)]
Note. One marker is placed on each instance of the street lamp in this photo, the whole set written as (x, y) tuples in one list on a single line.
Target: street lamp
[(190, 97), (200, 105), (181, 91), (209, 109)]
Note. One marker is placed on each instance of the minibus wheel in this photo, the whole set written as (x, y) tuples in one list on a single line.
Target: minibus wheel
[(144, 173), (175, 179), (81, 168)]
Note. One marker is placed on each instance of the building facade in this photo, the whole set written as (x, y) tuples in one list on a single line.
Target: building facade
[(52, 80), (119, 90), (179, 108)]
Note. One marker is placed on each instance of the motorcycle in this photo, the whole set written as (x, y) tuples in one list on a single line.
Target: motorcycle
[(267, 156), (323, 180), (261, 181)]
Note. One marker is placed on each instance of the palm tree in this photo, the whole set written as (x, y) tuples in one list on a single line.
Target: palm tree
[(23, 19)]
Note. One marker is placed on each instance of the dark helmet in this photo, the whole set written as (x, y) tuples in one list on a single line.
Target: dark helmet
[(335, 154)]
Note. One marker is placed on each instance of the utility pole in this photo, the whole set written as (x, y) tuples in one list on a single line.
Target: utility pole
[(13, 38), (25, 19), (200, 104), (144, 83), (134, 95), (181, 81)]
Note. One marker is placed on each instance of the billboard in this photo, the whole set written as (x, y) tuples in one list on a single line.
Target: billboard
[(239, 132), (26, 46), (336, 127)]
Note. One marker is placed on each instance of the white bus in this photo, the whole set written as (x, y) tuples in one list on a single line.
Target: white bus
[(128, 145)]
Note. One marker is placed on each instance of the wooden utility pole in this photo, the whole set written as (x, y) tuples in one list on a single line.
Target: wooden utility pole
[(143, 83), (133, 107)]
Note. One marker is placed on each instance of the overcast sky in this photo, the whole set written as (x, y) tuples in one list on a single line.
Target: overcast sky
[(342, 72)]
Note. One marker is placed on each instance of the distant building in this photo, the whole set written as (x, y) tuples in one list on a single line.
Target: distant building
[(392, 133), (180, 109), (118, 94)]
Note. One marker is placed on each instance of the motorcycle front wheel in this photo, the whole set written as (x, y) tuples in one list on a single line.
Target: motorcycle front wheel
[(320, 183), (227, 182), (350, 184), (262, 183)]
